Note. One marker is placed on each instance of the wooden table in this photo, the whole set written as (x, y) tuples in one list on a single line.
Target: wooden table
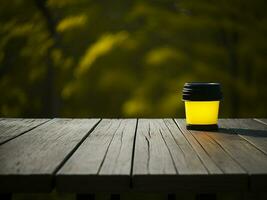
[(86, 156)]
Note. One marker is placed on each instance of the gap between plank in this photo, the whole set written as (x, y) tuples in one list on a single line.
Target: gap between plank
[(175, 167), (229, 153), (252, 143), (199, 157), (248, 140), (258, 120), (106, 152), (132, 160), (73, 150), (22, 133)]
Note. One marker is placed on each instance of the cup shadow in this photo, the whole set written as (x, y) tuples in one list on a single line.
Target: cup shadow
[(244, 132)]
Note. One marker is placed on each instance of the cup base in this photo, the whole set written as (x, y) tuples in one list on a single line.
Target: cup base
[(209, 127)]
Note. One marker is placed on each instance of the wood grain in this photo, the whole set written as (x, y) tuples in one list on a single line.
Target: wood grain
[(28, 162), (225, 162), (103, 161), (210, 165), (262, 120), (14, 127), (165, 161), (247, 155), (185, 158), (115, 155), (250, 151), (251, 130), (230, 172)]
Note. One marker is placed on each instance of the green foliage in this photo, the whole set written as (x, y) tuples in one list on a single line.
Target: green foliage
[(122, 58)]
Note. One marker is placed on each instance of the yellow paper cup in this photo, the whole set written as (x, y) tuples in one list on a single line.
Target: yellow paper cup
[(202, 102)]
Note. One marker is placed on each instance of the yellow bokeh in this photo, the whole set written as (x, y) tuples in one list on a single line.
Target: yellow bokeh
[(100, 48), (72, 22)]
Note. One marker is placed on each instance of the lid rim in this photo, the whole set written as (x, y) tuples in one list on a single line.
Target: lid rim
[(196, 91)]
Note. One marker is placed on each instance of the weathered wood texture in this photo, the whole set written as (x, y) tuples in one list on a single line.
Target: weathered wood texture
[(246, 141), (103, 161), (262, 120), (11, 128), (251, 130), (243, 143), (218, 156), (89, 155), (165, 159), (28, 162)]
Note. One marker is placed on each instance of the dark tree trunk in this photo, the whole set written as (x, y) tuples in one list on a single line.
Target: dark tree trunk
[(234, 72), (51, 99), (230, 41)]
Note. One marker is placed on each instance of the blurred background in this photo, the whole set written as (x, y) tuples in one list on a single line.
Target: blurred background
[(125, 58)]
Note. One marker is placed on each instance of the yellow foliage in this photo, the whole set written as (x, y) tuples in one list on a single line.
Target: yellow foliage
[(68, 89), (71, 22), (134, 107), (56, 55), (100, 48), (160, 55), (22, 29), (170, 104)]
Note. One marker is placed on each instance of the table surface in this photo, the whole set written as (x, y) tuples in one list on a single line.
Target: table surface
[(89, 155)]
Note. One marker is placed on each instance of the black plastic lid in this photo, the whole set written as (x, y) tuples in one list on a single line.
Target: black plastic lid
[(202, 91)]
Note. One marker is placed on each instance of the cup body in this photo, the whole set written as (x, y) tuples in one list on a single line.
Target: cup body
[(202, 101), (202, 112)]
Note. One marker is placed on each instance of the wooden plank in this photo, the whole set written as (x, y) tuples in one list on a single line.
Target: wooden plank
[(262, 120), (103, 161), (28, 162), (230, 175), (184, 156), (14, 127), (205, 158), (216, 153), (251, 130), (165, 161), (253, 160), (151, 154), (245, 149)]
